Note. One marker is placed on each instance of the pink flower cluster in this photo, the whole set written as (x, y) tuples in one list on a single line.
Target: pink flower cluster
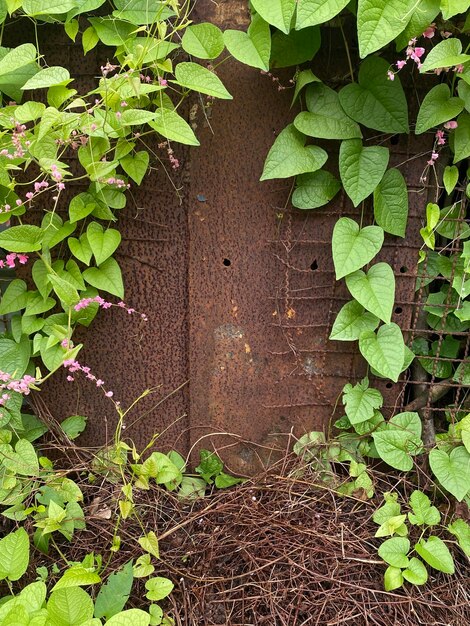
[(85, 302), (433, 159), (120, 184), (74, 366), (105, 69), (10, 260), (21, 385), (7, 207), (57, 177), (413, 52), (145, 79)]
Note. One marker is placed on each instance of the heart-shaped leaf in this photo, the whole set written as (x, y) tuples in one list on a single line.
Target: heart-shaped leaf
[(384, 351), (351, 321), (375, 101), (450, 8), (447, 53), (315, 190), (361, 169), (80, 248), (172, 126), (312, 12), (289, 156), (462, 138), (102, 242), (437, 107), (435, 552), (391, 203), (23, 460), (415, 573), (204, 41), (398, 440), (421, 17), (107, 277), (253, 47), (353, 246), (360, 401), (374, 290), (380, 21), (325, 117), (394, 551), (277, 12), (452, 470), (198, 78), (136, 166)]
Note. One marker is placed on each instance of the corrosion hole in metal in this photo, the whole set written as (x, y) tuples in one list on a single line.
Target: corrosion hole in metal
[(403, 269), (395, 140), (398, 310), (227, 262), (314, 265), (389, 385)]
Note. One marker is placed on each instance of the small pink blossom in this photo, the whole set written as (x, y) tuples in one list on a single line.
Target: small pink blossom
[(390, 75), (440, 137), (430, 31), (459, 68), (452, 125), (400, 64)]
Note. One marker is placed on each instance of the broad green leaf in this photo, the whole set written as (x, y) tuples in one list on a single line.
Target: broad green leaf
[(143, 566), (158, 588), (423, 512), (279, 13), (107, 277), (315, 190), (360, 401), (143, 11), (395, 447), (136, 117), (298, 47), (375, 101), (361, 169), (192, 488), (351, 321), (103, 243), (394, 551), (374, 290), (48, 77), (391, 508), (81, 206), (64, 290), (304, 78), (204, 41), (21, 238), (421, 18), (136, 165), (34, 595), (312, 12), (450, 178), (384, 350), (380, 21), (14, 357), (437, 107), (47, 7), (224, 481), (460, 529), (111, 32), (80, 248), (29, 111), (450, 8), (69, 607), (18, 58), (325, 117), (353, 246), (71, 28), (14, 298), (131, 617), (289, 156), (76, 576), (253, 47), (452, 470), (172, 126), (113, 595), (393, 578), (149, 543), (89, 39), (462, 138), (23, 460), (416, 573), (209, 466), (198, 78), (391, 203), (436, 554), (446, 53), (14, 555), (74, 425)]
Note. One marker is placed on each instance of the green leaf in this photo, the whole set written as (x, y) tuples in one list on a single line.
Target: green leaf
[(353, 246), (89, 39), (351, 321), (392, 447), (143, 567), (114, 594), (149, 543), (315, 190), (81, 206), (416, 573), (18, 58), (450, 178), (64, 290), (29, 111), (375, 101), (209, 466), (360, 402), (394, 551), (393, 578), (304, 78), (23, 460), (446, 53), (325, 117), (462, 138), (460, 529), (279, 13), (289, 156), (103, 243), (384, 350), (253, 47), (136, 166), (131, 617), (158, 588), (47, 7), (80, 248), (452, 470), (69, 607), (107, 277), (76, 576), (436, 554), (224, 481), (74, 425), (374, 290), (14, 357), (312, 12), (361, 169), (437, 107), (14, 298), (112, 32), (14, 555), (48, 77), (391, 203), (198, 78), (423, 512), (172, 126), (450, 8), (295, 48), (21, 238), (204, 41), (422, 16), (192, 488), (380, 21), (71, 28), (136, 117)]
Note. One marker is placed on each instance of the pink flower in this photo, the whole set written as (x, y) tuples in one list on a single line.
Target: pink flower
[(390, 75), (109, 394), (163, 82), (452, 125), (10, 259), (429, 32), (440, 137), (401, 64), (418, 52), (459, 68), (23, 258)]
